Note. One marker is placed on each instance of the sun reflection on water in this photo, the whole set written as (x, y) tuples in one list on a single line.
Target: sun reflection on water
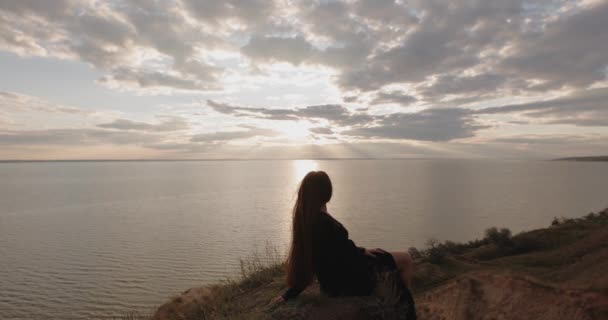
[(302, 167)]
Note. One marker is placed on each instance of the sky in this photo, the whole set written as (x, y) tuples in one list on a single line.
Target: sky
[(217, 79)]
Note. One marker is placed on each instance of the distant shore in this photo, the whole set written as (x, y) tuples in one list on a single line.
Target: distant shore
[(592, 159)]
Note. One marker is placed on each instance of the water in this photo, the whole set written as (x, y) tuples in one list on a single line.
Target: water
[(97, 239)]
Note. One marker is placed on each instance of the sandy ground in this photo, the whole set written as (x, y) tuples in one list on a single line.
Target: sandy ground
[(486, 295)]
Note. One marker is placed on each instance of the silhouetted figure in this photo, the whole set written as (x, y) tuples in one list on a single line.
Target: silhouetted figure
[(320, 247)]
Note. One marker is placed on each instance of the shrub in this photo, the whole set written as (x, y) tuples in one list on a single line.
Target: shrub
[(567, 220), (591, 216), (435, 253), (555, 222), (501, 238), (476, 243), (414, 253), (525, 243)]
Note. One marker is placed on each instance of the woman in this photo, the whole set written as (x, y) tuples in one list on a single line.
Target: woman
[(320, 247)]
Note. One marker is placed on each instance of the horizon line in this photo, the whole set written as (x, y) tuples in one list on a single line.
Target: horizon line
[(263, 159)]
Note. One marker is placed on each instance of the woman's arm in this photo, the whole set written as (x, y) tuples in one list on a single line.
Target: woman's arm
[(291, 293)]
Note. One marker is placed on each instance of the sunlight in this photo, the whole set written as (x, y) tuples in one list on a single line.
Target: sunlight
[(295, 131), (302, 167)]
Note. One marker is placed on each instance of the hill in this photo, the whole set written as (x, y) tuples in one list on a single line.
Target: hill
[(594, 158), (552, 273)]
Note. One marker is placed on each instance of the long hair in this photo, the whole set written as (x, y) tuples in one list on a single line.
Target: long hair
[(315, 191)]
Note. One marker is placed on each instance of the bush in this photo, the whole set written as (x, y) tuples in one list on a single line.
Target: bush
[(435, 254), (414, 253), (501, 238), (591, 216), (555, 222), (476, 243), (525, 243), (568, 220)]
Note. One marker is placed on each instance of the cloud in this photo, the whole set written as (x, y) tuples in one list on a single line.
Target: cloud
[(571, 50), (168, 124), (426, 125), (118, 38), (465, 48), (397, 97), (471, 85), (425, 52), (144, 79), (334, 113), (249, 12), (263, 113), (222, 136), (321, 130), (17, 102), (581, 108), (542, 139), (293, 49), (74, 137)]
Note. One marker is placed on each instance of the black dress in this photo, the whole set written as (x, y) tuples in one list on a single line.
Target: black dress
[(342, 268)]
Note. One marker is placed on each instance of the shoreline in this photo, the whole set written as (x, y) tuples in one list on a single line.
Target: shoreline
[(585, 159)]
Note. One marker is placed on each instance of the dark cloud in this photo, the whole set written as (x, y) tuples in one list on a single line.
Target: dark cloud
[(444, 39), (570, 50), (321, 130), (330, 19), (384, 12), (349, 99), (397, 97), (293, 49), (582, 108), (426, 125), (425, 52), (264, 113), (334, 113), (168, 124), (217, 12), (470, 85), (54, 9)]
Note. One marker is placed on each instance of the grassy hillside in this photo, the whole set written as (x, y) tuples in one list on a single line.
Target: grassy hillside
[(558, 271)]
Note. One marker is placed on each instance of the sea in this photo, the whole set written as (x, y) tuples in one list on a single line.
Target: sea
[(97, 240)]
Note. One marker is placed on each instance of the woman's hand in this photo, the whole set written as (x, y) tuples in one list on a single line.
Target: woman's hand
[(277, 300), (372, 252)]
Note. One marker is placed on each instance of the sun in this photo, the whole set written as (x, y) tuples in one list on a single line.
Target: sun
[(295, 131)]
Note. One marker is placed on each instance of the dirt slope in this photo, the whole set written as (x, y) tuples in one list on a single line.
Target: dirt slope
[(495, 295)]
